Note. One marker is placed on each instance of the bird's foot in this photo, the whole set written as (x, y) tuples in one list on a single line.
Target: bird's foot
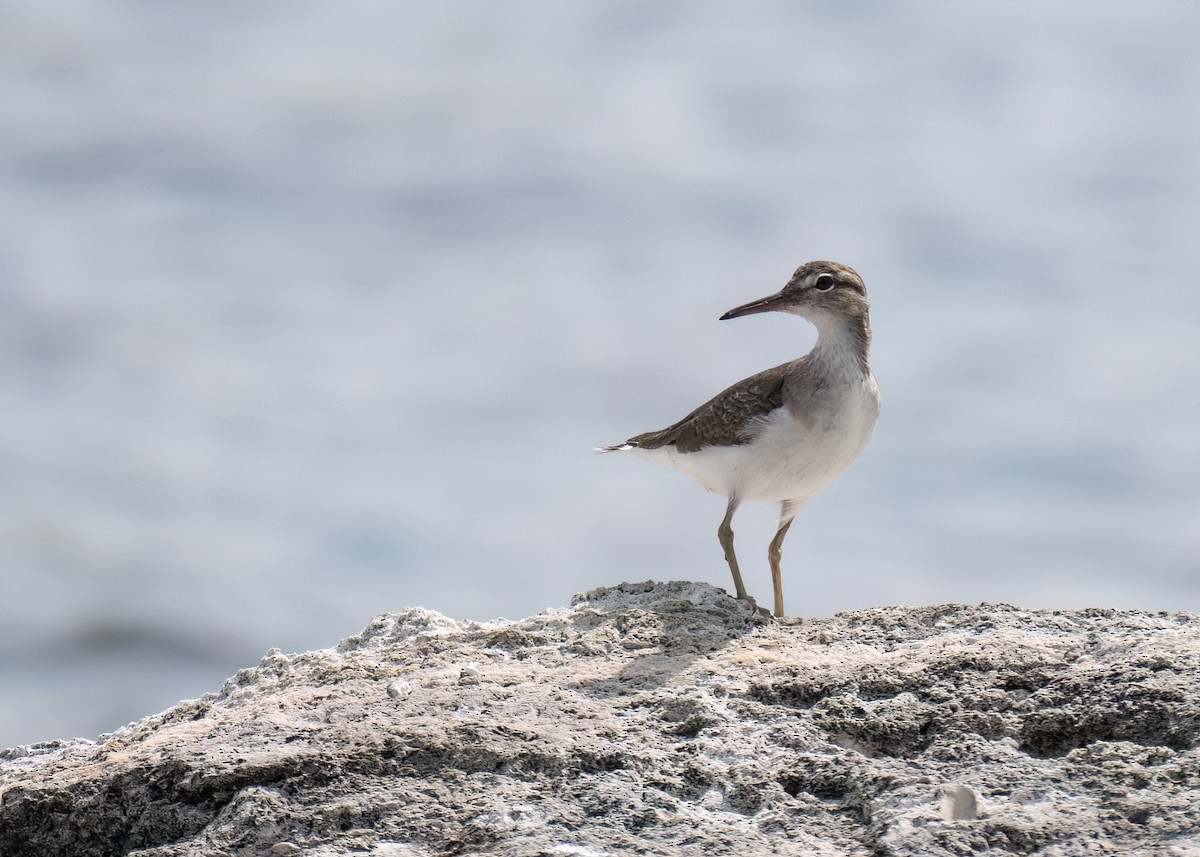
[(761, 611)]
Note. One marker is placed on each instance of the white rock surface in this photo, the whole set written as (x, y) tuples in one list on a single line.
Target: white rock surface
[(657, 719)]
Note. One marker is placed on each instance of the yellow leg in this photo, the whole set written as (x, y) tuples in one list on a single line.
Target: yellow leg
[(786, 513), (725, 534)]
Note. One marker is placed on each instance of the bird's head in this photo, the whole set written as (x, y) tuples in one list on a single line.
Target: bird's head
[(822, 292)]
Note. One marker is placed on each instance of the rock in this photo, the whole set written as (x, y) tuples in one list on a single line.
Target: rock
[(959, 803), (657, 719)]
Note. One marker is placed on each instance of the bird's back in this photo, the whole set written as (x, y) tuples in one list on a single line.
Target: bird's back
[(777, 435)]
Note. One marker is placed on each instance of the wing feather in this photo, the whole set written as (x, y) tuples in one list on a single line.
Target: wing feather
[(725, 419)]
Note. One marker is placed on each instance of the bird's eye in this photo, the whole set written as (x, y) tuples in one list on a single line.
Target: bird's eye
[(824, 283)]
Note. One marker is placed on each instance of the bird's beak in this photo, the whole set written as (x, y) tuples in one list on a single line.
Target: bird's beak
[(774, 302)]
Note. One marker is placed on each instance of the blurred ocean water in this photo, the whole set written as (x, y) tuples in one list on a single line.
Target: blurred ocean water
[(311, 311)]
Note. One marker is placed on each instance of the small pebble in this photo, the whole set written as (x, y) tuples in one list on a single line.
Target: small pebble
[(959, 803), (399, 687), (469, 675), (285, 849)]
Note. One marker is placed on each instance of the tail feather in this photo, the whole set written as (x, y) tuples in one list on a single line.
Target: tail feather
[(615, 448)]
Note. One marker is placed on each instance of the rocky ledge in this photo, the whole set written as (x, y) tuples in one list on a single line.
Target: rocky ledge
[(657, 719)]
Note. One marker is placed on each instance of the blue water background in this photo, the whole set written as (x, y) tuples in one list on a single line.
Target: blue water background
[(312, 311)]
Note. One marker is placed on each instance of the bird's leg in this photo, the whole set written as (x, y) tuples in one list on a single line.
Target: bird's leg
[(786, 513), (725, 534), (774, 552)]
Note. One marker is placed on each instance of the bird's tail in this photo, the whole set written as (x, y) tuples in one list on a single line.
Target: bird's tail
[(615, 448)]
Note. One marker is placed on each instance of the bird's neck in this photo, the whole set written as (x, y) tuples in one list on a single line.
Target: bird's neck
[(843, 345)]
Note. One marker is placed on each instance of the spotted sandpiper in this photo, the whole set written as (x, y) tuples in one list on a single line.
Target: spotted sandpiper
[(785, 433)]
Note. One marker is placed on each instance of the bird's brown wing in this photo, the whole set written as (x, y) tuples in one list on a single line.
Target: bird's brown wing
[(724, 419)]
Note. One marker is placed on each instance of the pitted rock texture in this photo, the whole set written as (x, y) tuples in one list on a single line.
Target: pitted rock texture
[(657, 719)]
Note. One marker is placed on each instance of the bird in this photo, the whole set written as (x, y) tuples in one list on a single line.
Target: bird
[(785, 433)]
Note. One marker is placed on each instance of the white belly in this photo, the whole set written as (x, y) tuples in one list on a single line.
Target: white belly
[(789, 459)]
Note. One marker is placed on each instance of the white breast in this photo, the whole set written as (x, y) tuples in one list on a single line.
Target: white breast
[(790, 458)]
